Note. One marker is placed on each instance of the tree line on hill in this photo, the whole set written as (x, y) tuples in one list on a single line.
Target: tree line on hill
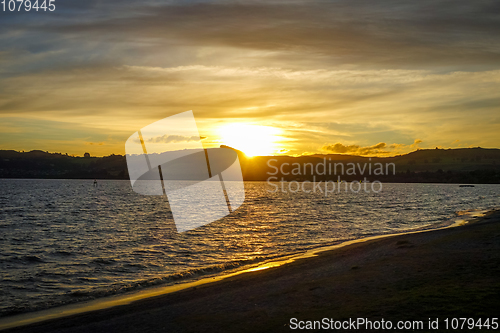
[(467, 165)]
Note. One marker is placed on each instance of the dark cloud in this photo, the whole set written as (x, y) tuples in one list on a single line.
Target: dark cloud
[(390, 33)]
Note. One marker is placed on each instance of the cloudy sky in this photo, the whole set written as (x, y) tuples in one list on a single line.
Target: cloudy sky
[(360, 77)]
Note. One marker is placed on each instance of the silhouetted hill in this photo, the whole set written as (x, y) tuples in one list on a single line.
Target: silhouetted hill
[(40, 164), (462, 159), (467, 165)]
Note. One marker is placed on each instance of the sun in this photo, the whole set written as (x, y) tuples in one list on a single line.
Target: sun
[(252, 140)]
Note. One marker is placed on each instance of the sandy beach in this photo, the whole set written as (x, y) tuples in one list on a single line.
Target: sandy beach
[(439, 274)]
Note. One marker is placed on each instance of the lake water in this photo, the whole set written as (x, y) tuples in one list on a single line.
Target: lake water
[(64, 241)]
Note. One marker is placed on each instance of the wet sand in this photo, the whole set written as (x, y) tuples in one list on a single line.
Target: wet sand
[(447, 273)]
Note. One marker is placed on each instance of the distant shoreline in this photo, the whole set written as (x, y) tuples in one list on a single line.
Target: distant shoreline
[(250, 181), (447, 166)]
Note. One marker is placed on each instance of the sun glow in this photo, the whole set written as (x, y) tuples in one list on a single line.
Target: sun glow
[(250, 139)]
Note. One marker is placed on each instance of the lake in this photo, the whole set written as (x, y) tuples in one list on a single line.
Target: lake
[(64, 241)]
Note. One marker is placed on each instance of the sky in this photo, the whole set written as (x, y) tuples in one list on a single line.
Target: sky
[(372, 78)]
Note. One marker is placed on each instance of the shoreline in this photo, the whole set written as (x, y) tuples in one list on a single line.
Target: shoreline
[(110, 302), (454, 183)]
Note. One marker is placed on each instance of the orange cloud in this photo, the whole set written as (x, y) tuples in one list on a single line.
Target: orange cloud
[(416, 143), (339, 148)]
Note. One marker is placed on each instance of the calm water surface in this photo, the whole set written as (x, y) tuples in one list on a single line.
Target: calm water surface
[(65, 241)]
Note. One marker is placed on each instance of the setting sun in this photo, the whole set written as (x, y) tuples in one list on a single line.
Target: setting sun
[(250, 139)]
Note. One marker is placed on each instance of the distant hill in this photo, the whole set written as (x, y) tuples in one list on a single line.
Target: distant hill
[(40, 164), (466, 165), (462, 159)]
